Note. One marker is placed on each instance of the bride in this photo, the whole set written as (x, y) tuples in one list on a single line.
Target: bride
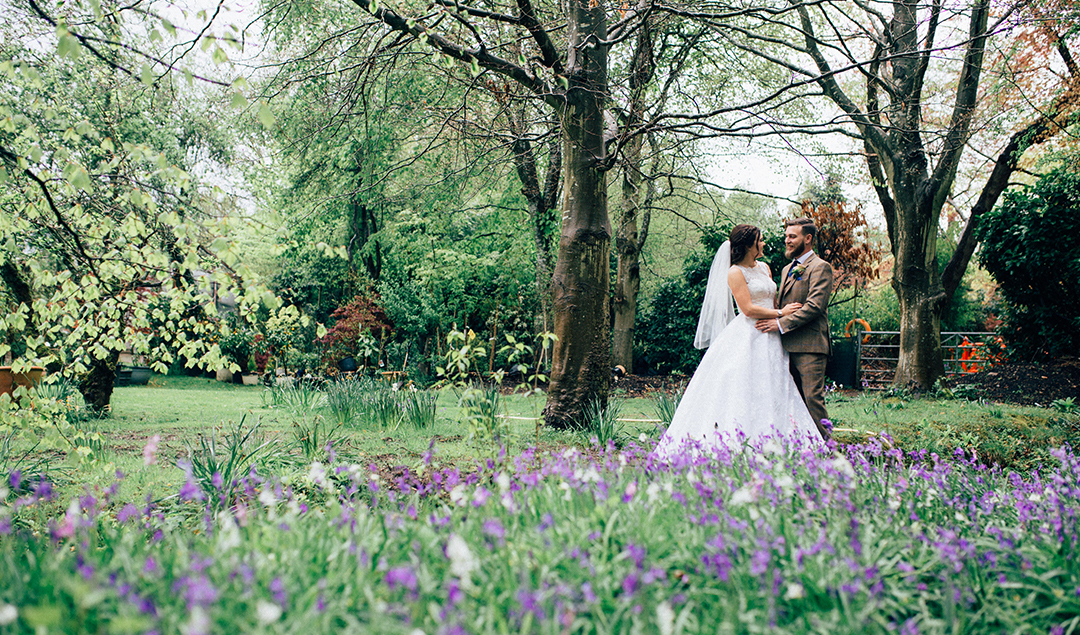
[(742, 384)]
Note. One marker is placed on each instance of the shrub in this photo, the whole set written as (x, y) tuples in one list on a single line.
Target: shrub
[(357, 326), (1029, 246)]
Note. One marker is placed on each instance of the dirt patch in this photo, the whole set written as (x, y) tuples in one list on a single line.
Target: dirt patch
[(1027, 384), (645, 386)]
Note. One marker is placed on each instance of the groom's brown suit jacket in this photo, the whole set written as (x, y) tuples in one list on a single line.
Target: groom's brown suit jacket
[(807, 330), (806, 333)]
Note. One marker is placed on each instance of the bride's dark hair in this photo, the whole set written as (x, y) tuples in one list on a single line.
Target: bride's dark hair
[(742, 238)]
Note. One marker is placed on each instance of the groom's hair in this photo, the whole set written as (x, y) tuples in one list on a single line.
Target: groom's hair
[(806, 224)]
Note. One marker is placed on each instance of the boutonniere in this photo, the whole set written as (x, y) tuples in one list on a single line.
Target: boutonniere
[(797, 271)]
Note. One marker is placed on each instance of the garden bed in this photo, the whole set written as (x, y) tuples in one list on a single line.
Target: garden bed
[(1027, 384)]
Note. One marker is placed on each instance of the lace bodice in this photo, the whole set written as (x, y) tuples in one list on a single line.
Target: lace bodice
[(762, 288)]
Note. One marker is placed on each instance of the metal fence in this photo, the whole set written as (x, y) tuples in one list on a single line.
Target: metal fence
[(877, 353)]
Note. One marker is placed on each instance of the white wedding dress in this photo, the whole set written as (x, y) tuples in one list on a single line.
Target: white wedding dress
[(742, 384)]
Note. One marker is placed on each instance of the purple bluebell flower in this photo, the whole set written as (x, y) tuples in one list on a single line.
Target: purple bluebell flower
[(403, 577), (587, 592), (127, 513), (492, 527), (277, 589), (189, 491), (198, 591)]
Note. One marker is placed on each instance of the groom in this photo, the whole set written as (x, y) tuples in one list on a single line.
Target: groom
[(805, 333)]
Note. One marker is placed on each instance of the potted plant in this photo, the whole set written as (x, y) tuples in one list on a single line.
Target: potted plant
[(235, 345)]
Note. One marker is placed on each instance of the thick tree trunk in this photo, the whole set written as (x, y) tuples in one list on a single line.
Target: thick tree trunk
[(581, 359), (918, 289), (97, 385), (920, 364)]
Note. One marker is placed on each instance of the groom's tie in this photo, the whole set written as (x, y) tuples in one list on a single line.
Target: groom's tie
[(791, 269)]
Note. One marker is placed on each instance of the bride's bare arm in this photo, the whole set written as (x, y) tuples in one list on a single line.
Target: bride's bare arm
[(741, 293)]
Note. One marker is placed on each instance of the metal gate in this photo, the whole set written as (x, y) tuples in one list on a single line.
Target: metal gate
[(964, 352)]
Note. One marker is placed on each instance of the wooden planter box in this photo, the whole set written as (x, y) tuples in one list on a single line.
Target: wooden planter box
[(9, 380)]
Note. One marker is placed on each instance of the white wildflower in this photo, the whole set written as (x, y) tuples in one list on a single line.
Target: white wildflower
[(8, 614), (894, 499), (743, 496), (692, 477), (228, 536), (317, 474), (653, 492), (417, 631), (841, 464), (199, 624), (267, 612), (267, 497), (457, 495), (794, 591), (503, 481), (772, 446), (665, 618), (785, 482), (462, 560)]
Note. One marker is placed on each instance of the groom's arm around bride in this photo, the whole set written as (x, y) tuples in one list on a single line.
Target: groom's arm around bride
[(805, 333)]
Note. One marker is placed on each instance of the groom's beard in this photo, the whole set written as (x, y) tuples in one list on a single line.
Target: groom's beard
[(791, 254)]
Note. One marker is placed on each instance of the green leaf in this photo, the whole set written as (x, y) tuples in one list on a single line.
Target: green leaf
[(266, 117), (146, 76), (168, 26), (67, 46), (219, 56), (238, 100), (77, 176)]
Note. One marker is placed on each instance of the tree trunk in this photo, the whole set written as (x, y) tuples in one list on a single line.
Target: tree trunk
[(918, 289), (97, 385), (628, 242), (627, 278), (917, 284), (581, 358), (540, 200)]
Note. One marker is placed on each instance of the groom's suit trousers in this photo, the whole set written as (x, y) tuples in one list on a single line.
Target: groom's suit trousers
[(806, 332), (808, 371)]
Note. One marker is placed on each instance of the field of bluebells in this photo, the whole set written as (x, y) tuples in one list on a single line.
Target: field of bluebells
[(772, 537)]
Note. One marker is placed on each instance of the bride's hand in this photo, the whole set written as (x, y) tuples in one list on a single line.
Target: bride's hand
[(791, 308)]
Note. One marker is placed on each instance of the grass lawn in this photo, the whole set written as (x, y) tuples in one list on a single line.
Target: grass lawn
[(180, 409)]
